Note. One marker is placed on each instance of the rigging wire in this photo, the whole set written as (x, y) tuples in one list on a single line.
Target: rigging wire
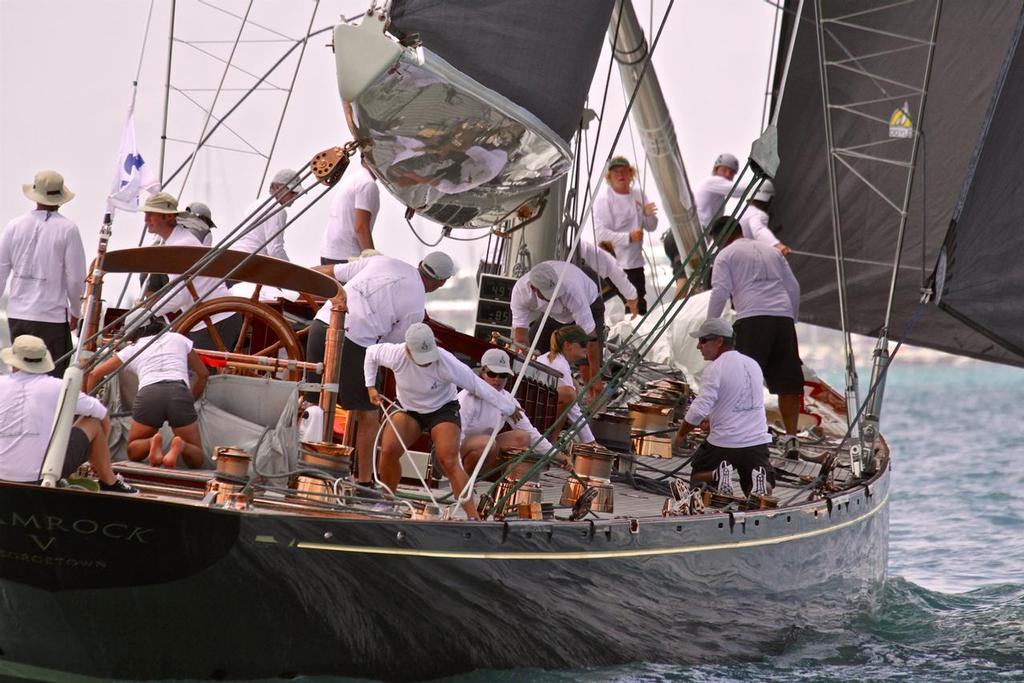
[(145, 40)]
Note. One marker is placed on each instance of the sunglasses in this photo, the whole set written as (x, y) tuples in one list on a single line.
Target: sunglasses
[(705, 340), (495, 374)]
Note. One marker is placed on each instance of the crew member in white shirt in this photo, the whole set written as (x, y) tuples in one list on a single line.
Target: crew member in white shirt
[(352, 215), (197, 219), (605, 267), (384, 296), (710, 193), (41, 253), (578, 301), (28, 404), (754, 220), (161, 215), (426, 378), (266, 218), (621, 215), (731, 400), (480, 417), (568, 349), (162, 361), (766, 296)]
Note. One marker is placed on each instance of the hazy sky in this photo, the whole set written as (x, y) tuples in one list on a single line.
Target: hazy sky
[(66, 70)]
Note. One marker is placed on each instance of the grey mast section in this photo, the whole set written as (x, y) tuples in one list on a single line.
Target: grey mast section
[(654, 125)]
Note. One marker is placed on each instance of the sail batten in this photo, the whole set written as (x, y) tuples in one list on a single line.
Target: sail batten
[(874, 133)]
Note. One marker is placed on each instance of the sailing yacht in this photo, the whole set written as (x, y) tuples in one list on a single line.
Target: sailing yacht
[(269, 562)]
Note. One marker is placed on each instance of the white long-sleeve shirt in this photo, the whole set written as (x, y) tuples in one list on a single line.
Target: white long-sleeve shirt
[(426, 388), (208, 288), (41, 253), (754, 223), (605, 265), (384, 297), (615, 215), (758, 279), (28, 403), (261, 232), (572, 305), (358, 191), (732, 399), (481, 417), (709, 195), (575, 415)]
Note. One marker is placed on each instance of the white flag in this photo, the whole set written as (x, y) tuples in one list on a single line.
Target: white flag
[(133, 175)]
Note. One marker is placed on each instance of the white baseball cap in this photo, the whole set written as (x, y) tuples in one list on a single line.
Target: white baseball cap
[(419, 339), (288, 178), (727, 160), (713, 327), (438, 265), (544, 278), (765, 193), (496, 360)]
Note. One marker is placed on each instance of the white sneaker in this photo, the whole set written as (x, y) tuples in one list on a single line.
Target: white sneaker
[(723, 478), (760, 485)]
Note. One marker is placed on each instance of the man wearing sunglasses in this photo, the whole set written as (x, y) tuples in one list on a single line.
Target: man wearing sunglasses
[(732, 402)]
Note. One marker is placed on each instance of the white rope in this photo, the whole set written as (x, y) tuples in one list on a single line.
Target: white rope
[(405, 451)]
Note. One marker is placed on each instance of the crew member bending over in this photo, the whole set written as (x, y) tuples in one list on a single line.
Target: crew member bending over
[(731, 400), (426, 378), (164, 391), (567, 351), (480, 418)]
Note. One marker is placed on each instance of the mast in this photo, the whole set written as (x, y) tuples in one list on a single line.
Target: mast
[(654, 125)]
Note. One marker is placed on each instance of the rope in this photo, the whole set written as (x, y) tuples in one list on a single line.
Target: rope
[(405, 449)]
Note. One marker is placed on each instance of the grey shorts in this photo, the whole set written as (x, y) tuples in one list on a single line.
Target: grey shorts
[(169, 401), (76, 453)]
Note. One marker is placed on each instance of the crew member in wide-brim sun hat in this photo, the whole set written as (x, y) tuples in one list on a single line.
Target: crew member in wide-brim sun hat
[(48, 189), (28, 353)]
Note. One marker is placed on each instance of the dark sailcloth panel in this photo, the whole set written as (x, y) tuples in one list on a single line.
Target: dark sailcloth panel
[(972, 42), (984, 259), (538, 53)]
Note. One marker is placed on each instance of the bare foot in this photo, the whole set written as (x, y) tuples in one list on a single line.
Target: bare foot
[(156, 450), (177, 446)]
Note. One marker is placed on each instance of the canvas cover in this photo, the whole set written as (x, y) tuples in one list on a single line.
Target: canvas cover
[(972, 42)]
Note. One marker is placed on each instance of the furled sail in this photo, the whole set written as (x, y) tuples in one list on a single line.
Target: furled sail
[(980, 277), (473, 119), (876, 67)]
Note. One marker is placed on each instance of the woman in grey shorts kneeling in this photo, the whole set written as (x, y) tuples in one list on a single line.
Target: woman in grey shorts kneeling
[(165, 395)]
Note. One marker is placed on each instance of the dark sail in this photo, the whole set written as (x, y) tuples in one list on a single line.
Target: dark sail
[(982, 256), (537, 53), (972, 42)]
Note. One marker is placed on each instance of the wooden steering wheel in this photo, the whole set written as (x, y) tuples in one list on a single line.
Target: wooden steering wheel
[(250, 309)]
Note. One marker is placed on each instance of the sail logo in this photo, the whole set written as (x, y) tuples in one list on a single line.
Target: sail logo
[(900, 123)]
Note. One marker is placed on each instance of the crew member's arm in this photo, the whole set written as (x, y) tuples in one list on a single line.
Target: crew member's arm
[(702, 404), (520, 306), (199, 374), (100, 371), (582, 316), (721, 287), (362, 229), (5, 259), (611, 269), (378, 356), (87, 406), (649, 213), (789, 281), (537, 440), (74, 275)]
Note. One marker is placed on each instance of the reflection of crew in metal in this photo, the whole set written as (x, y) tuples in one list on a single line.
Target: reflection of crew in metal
[(384, 296), (710, 193), (621, 215), (754, 220), (165, 392), (28, 403), (267, 219), (731, 400), (568, 349), (426, 378), (578, 301), (480, 417), (161, 216), (766, 297), (350, 222), (41, 251)]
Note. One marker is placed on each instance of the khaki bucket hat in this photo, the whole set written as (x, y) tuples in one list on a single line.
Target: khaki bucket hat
[(161, 202), (28, 353), (48, 188)]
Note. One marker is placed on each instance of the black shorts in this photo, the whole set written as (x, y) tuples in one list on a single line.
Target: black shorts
[(771, 341), (169, 401), (707, 457), (544, 343), (76, 453), (327, 261), (56, 336), (449, 412), (351, 391)]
